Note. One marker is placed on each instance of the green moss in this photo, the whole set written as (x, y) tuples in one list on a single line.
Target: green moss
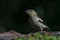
[(38, 36)]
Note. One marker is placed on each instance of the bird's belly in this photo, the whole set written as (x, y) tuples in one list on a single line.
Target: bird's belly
[(36, 22)]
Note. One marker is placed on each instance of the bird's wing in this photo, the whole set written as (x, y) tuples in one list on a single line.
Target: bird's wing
[(43, 24), (40, 19)]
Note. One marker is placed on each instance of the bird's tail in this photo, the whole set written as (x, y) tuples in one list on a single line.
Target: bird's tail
[(47, 28)]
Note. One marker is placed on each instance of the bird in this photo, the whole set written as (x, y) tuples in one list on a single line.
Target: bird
[(35, 20)]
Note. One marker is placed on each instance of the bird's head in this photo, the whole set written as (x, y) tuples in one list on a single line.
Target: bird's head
[(30, 12)]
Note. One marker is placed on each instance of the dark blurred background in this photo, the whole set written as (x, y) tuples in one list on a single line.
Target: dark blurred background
[(13, 17)]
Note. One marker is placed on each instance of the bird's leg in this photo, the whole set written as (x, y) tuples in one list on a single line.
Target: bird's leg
[(41, 30)]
